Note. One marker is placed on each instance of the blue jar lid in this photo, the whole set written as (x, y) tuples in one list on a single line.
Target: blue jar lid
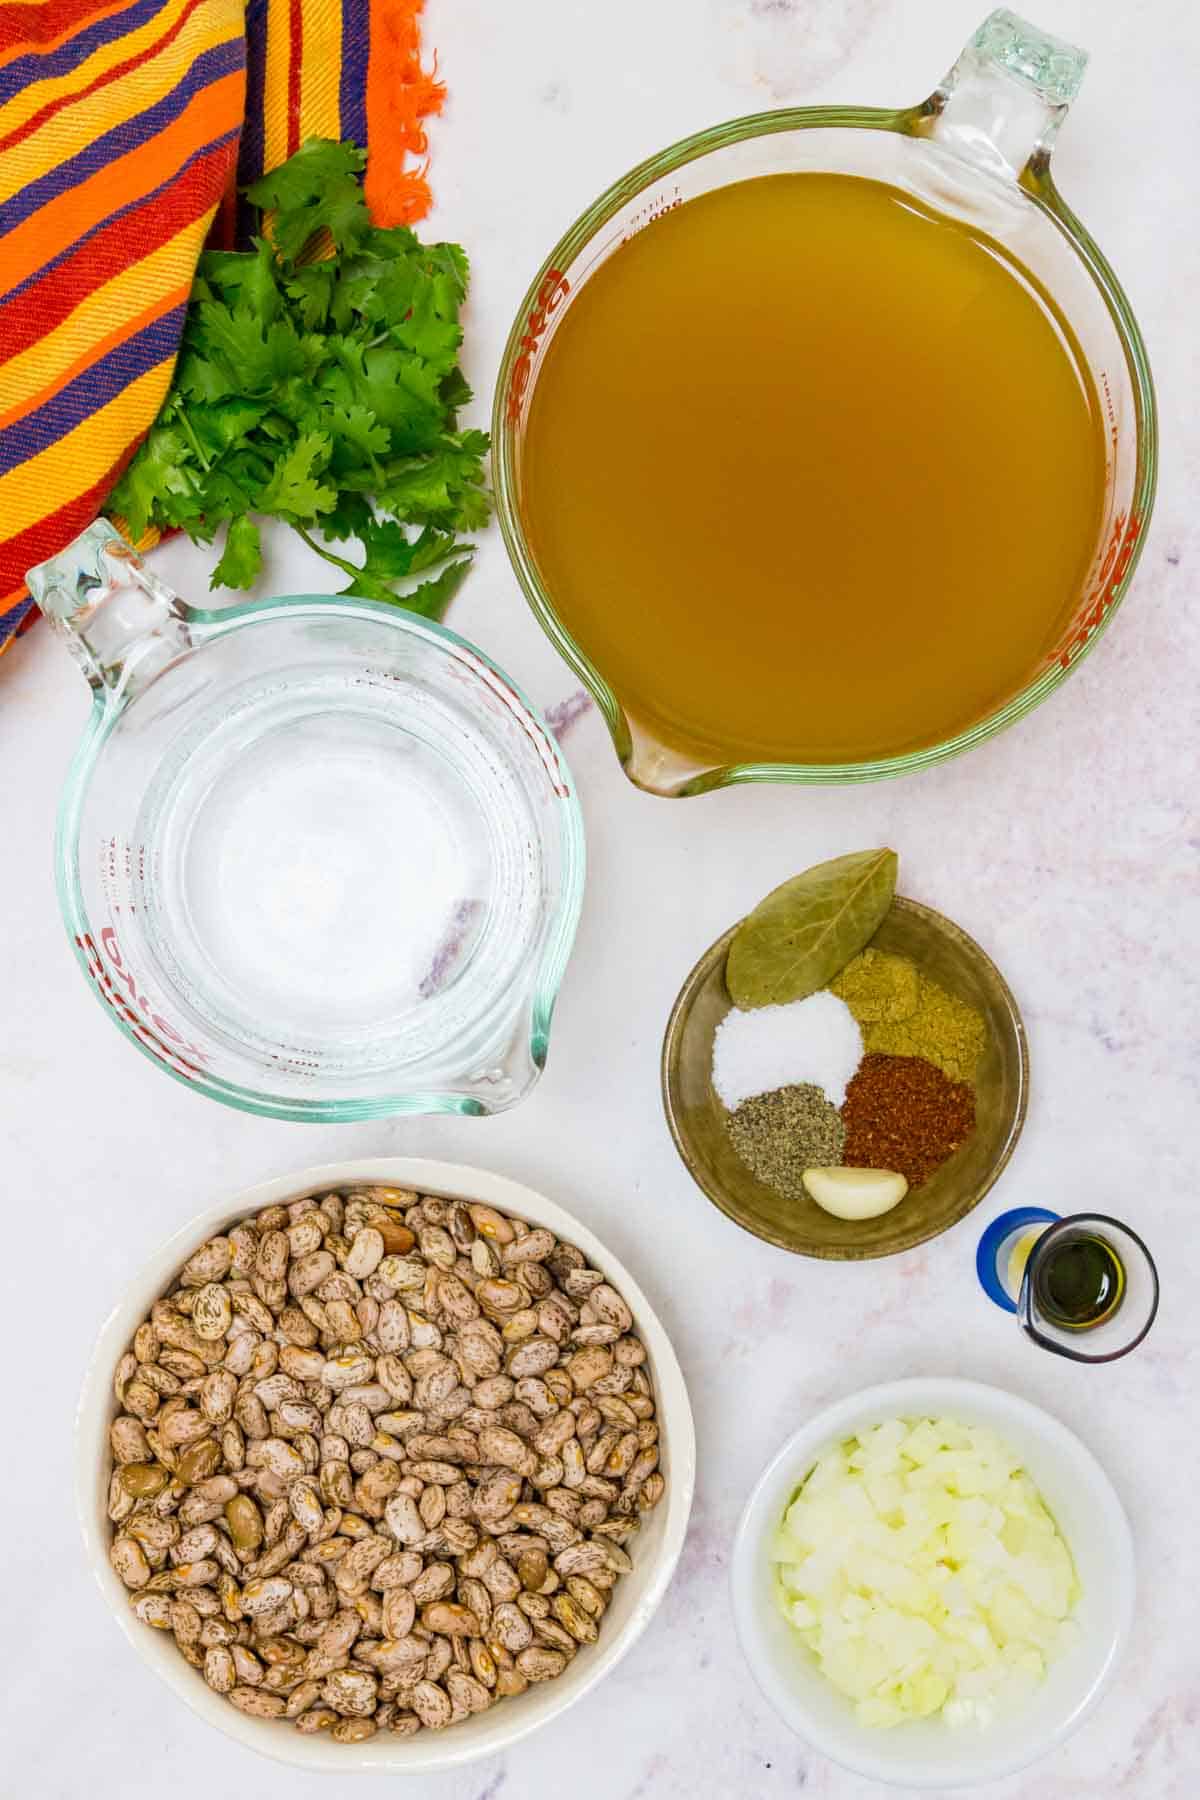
[(990, 1244)]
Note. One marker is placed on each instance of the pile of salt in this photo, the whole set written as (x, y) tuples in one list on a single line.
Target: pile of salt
[(814, 1040)]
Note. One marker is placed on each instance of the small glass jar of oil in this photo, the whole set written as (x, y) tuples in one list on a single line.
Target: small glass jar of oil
[(1084, 1286)]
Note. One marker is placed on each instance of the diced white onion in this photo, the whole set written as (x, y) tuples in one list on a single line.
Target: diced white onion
[(920, 1566)]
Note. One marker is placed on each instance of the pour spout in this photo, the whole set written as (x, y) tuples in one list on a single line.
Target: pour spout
[(121, 623), (659, 767)]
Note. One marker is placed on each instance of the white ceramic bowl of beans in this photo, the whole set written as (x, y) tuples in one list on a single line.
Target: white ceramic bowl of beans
[(655, 1548)]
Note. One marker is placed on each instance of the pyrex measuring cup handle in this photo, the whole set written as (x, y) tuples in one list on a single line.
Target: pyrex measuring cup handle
[(120, 622), (1002, 103)]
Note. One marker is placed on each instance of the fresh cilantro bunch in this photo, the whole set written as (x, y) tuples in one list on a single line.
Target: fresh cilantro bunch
[(322, 389)]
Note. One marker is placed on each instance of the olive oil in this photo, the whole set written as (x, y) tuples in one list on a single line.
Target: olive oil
[(1079, 1281), (812, 472)]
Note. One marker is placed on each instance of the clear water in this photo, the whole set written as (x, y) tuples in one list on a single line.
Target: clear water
[(339, 872)]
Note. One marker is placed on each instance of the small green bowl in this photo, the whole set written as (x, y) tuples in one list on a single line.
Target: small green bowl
[(697, 1118)]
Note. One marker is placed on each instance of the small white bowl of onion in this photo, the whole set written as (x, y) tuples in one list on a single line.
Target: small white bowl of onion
[(933, 1581)]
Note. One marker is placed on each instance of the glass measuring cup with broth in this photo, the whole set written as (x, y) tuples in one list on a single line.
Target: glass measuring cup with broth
[(826, 438)]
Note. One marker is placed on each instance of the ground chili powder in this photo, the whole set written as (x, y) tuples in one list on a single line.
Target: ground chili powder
[(902, 1113)]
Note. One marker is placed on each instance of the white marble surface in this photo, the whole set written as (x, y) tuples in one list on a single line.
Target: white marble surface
[(1068, 846)]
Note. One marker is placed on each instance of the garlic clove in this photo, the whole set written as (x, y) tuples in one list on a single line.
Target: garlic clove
[(855, 1193)]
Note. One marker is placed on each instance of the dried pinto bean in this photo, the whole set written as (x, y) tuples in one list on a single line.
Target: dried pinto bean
[(376, 1459)]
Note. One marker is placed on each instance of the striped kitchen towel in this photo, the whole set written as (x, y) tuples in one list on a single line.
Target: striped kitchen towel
[(126, 127)]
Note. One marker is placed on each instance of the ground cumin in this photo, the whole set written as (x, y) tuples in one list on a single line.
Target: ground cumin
[(903, 1013), (902, 1113)]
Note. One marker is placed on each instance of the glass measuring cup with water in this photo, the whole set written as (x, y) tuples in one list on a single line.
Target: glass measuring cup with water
[(977, 152), (318, 857)]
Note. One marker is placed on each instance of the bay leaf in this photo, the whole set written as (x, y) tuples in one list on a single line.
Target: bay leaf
[(804, 932)]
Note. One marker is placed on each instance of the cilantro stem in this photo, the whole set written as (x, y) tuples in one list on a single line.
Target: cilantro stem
[(194, 441), (338, 562)]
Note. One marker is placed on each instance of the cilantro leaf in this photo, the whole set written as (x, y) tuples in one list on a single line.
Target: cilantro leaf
[(430, 327), (293, 489), (389, 549), (227, 493), (247, 279), (455, 392), (220, 423), (199, 378), (257, 360), (318, 383), (352, 517), (358, 437), (439, 484), (316, 189), (310, 291), (158, 470), (241, 558), (432, 597)]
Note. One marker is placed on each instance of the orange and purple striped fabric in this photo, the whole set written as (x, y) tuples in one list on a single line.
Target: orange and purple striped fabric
[(121, 125)]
